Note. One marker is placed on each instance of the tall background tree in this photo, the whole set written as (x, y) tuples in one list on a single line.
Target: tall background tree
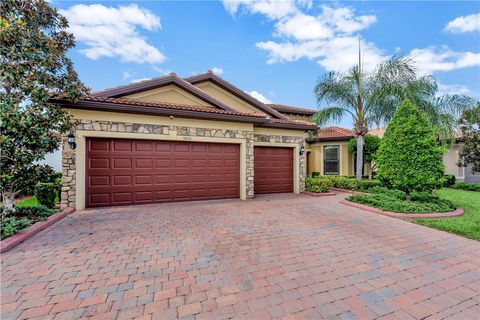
[(33, 66), (409, 157), (470, 126), (372, 97)]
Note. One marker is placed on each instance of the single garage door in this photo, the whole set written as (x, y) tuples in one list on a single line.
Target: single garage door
[(273, 172), (123, 171)]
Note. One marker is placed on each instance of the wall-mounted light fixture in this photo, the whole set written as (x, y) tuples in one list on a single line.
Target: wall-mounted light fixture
[(71, 141), (302, 150)]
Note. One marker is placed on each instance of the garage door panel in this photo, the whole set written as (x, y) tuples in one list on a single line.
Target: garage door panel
[(122, 145), (273, 170), (122, 163), (123, 171)]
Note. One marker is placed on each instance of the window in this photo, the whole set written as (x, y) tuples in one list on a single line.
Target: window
[(330, 160)]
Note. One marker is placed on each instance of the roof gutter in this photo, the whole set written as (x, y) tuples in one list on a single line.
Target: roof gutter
[(314, 140)]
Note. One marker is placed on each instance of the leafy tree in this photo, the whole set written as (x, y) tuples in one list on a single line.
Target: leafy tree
[(409, 157), (33, 66), (372, 97), (470, 125), (369, 151)]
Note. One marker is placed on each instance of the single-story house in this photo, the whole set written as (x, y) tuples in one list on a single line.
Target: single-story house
[(175, 139), (197, 138)]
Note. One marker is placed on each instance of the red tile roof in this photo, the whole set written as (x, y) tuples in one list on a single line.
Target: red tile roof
[(332, 134), (111, 100), (291, 109), (169, 105)]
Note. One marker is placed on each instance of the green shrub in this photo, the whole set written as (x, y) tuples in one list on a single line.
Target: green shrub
[(46, 193), (315, 174), (35, 213), (366, 185), (41, 173), (11, 225), (342, 182), (398, 194), (409, 157), (58, 186), (449, 180), (393, 204), (317, 185), (470, 186)]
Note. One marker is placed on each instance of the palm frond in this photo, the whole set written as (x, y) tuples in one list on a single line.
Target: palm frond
[(330, 114), (332, 88)]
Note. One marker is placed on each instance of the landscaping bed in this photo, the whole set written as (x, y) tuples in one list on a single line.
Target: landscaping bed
[(324, 184), (28, 212), (394, 201)]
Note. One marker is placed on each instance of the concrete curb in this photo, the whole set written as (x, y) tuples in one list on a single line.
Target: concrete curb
[(319, 194), (23, 235), (458, 212)]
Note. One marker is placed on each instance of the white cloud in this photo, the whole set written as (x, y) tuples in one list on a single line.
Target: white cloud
[(257, 95), (463, 24), (112, 32), (217, 70), (272, 9), (453, 89), (139, 80), (343, 20), (442, 59), (326, 38), (337, 54)]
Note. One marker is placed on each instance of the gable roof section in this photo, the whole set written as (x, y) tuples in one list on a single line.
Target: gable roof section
[(290, 109), (154, 83), (162, 109), (332, 134), (210, 76)]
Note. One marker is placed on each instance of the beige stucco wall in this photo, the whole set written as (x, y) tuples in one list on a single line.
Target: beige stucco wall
[(315, 163), (228, 98), (450, 159), (170, 93), (122, 125)]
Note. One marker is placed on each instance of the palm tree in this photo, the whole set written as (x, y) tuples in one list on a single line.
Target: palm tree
[(371, 97)]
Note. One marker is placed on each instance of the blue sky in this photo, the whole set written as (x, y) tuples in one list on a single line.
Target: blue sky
[(277, 49)]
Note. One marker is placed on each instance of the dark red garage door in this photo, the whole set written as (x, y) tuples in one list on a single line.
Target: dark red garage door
[(123, 171), (273, 170)]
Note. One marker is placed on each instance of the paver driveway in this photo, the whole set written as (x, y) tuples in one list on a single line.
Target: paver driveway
[(291, 256)]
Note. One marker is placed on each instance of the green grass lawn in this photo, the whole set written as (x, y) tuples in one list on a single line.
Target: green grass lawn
[(467, 225), (31, 201)]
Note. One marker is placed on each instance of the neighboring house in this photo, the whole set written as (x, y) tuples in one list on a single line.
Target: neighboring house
[(450, 160), (176, 139)]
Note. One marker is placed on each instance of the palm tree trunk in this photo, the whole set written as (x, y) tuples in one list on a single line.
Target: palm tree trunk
[(360, 142)]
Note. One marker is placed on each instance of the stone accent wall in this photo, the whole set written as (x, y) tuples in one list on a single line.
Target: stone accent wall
[(68, 156), (69, 163), (288, 139)]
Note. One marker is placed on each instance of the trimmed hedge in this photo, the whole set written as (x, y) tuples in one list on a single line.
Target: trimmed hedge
[(449, 180), (469, 186), (317, 185), (343, 182), (394, 200), (46, 193)]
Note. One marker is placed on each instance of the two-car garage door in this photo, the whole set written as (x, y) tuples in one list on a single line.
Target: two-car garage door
[(127, 171), (123, 171)]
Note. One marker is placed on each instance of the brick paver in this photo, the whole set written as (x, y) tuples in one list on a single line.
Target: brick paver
[(278, 256)]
